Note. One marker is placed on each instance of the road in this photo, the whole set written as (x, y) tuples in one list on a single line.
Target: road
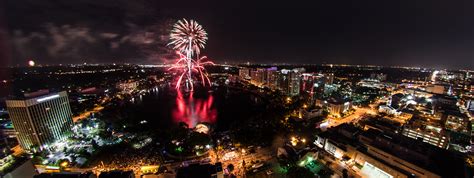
[(338, 166), (261, 154), (354, 117), (87, 114)]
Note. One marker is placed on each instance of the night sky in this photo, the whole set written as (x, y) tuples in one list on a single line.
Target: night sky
[(425, 33)]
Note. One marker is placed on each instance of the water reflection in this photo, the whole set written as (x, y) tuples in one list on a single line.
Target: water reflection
[(192, 111)]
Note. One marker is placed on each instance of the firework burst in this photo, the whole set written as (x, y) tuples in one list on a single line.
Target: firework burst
[(188, 37), (182, 65)]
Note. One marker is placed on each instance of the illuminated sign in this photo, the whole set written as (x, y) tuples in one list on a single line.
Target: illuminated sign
[(47, 98)]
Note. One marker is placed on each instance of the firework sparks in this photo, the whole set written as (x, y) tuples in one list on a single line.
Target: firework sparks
[(197, 66), (188, 38)]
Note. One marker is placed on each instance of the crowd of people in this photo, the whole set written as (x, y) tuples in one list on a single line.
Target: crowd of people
[(130, 159)]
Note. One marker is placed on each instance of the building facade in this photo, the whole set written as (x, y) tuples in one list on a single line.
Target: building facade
[(272, 78), (258, 76), (433, 138), (244, 73), (338, 107), (42, 120)]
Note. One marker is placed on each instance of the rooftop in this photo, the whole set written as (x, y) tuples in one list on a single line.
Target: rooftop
[(424, 155)]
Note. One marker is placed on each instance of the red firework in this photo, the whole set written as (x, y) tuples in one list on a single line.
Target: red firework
[(186, 66), (189, 37)]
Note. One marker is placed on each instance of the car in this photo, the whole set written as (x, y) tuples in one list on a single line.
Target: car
[(257, 165)]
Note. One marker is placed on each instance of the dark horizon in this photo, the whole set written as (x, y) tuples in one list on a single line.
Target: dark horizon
[(427, 34)]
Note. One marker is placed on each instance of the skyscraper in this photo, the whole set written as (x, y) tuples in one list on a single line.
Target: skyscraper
[(42, 120), (289, 81), (272, 78), (284, 81), (329, 78), (244, 73), (295, 80), (258, 76)]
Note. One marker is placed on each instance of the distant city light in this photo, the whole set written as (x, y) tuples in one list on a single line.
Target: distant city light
[(433, 77)]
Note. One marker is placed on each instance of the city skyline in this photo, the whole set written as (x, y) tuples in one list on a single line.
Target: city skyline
[(236, 89)]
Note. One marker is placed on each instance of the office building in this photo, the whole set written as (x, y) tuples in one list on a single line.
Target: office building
[(272, 78), (396, 100), (470, 105), (295, 81), (258, 76), (329, 78), (42, 120), (244, 73), (375, 153), (338, 107), (284, 80)]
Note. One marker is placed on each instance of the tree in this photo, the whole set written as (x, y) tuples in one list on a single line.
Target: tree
[(197, 138), (326, 172)]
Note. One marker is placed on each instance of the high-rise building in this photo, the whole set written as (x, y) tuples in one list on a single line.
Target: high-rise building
[(470, 105), (244, 73), (283, 80), (338, 107), (272, 78), (289, 81), (329, 78), (42, 120), (295, 81), (258, 76)]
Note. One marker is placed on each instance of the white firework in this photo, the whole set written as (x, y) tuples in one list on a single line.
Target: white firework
[(189, 37)]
